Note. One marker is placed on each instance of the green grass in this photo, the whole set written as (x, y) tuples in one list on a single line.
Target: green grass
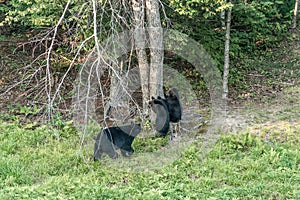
[(37, 164)]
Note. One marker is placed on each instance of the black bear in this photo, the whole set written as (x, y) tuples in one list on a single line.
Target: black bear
[(162, 121), (112, 138), (174, 105)]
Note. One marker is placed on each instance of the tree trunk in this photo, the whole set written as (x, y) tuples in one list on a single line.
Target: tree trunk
[(295, 14), (116, 92), (140, 45), (156, 48), (226, 55), (222, 16)]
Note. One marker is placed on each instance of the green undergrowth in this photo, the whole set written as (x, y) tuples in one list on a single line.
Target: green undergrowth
[(49, 164)]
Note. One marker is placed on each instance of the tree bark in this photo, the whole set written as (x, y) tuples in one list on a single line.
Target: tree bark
[(156, 48), (222, 16), (226, 54), (295, 14), (140, 44)]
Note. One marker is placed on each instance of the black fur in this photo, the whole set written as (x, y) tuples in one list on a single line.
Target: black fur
[(112, 138), (162, 121), (174, 105)]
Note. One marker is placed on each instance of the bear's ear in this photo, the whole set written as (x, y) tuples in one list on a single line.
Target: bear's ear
[(159, 97), (152, 98)]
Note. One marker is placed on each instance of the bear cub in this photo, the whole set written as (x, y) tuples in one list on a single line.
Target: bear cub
[(112, 138)]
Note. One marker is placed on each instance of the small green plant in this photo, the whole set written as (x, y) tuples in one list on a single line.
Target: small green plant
[(8, 117), (57, 121), (23, 109), (151, 144), (147, 126)]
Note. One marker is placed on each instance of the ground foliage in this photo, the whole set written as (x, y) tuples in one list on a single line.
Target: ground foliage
[(261, 159), (46, 164)]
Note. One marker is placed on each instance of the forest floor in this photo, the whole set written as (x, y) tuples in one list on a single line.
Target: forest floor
[(264, 86), (269, 92)]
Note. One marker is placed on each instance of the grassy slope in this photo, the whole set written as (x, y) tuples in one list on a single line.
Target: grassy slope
[(261, 162)]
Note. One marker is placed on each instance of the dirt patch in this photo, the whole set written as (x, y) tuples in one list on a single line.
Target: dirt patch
[(275, 115)]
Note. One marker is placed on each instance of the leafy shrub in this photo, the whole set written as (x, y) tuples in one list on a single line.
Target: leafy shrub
[(29, 13)]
